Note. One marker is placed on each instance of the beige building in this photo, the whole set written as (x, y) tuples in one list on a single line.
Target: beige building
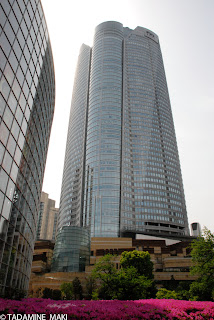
[(171, 261), (47, 219)]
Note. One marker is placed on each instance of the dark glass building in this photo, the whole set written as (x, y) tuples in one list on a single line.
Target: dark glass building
[(72, 249), (122, 173), (27, 97)]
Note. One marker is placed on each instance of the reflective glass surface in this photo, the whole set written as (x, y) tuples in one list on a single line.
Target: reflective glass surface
[(27, 108), (72, 250), (122, 172)]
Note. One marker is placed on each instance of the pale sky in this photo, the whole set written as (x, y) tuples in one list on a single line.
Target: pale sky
[(185, 29)]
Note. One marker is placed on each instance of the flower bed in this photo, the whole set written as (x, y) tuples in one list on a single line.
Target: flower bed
[(113, 309)]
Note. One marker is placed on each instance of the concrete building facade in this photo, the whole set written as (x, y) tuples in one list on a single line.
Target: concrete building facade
[(171, 261), (47, 219)]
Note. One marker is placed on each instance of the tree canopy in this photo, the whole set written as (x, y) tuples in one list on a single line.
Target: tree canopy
[(129, 282), (140, 260), (203, 265)]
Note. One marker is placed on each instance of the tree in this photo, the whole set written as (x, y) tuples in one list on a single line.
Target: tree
[(163, 293), (132, 286), (47, 293), (67, 290), (140, 260), (203, 265), (90, 287), (122, 284), (105, 271), (77, 288)]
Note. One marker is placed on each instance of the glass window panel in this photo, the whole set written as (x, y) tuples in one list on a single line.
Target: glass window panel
[(20, 76), (29, 78), (21, 140), (30, 44), (11, 145), (3, 59), (3, 17), (6, 254), (25, 89), (22, 5), (18, 155), (21, 39), (19, 115), (13, 61), (32, 33), (2, 105), (23, 64), (9, 75), (3, 180), (8, 117), (14, 172), (6, 164), (16, 88), (4, 87), (6, 6), (4, 133), (27, 19), (3, 229), (17, 11), (17, 49), (24, 28), (22, 101), (9, 32), (30, 11), (13, 21), (15, 129), (12, 102), (2, 149), (30, 104)]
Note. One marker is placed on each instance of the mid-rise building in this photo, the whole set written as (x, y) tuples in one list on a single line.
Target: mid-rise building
[(196, 229), (47, 219), (27, 97), (122, 172)]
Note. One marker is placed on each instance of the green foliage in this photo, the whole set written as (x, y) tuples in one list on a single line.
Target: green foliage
[(183, 290), (132, 286), (51, 294), (56, 294), (126, 283), (95, 295), (203, 265), (90, 287), (167, 294), (14, 293), (67, 290), (47, 293), (77, 288), (140, 260)]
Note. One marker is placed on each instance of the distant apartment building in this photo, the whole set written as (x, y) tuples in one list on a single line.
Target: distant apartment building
[(47, 219), (27, 99)]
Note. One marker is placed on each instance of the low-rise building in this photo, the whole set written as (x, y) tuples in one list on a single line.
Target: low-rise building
[(171, 260)]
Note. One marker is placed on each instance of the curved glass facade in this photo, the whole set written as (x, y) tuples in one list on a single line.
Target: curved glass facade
[(103, 147), (27, 99), (131, 173), (72, 250), (72, 182), (152, 195)]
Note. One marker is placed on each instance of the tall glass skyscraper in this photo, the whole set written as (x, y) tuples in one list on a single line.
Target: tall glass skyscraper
[(122, 172), (27, 97)]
